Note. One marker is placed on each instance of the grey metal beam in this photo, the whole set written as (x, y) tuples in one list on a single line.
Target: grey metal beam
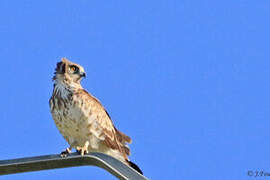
[(112, 165)]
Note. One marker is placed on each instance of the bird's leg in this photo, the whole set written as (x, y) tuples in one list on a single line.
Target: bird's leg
[(66, 152), (83, 150)]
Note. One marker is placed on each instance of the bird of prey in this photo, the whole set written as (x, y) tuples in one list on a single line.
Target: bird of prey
[(81, 118)]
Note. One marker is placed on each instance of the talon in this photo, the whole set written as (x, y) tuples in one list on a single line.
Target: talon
[(82, 151), (65, 153)]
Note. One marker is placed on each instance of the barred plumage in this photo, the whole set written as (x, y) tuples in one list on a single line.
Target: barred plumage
[(80, 117)]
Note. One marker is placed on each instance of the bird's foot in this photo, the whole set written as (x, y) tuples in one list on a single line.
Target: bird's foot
[(66, 152), (83, 150)]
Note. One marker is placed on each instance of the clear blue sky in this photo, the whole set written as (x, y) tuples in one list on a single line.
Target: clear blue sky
[(188, 80)]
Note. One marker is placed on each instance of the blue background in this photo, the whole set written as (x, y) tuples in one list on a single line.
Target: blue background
[(187, 80)]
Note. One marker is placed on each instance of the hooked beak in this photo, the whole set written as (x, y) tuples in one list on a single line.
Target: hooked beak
[(83, 74)]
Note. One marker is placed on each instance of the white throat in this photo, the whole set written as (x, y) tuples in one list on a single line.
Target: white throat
[(61, 89)]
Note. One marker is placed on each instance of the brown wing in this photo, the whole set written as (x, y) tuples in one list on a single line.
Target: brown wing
[(113, 137)]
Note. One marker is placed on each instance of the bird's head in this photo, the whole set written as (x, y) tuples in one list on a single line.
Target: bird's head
[(68, 71)]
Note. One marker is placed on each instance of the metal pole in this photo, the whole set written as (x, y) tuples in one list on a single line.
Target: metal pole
[(110, 164)]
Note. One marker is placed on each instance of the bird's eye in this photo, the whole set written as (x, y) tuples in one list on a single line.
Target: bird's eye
[(74, 69)]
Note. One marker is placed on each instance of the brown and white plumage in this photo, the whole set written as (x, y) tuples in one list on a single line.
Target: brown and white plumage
[(81, 118)]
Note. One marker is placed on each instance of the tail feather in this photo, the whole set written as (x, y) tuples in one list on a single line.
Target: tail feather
[(136, 167), (122, 137)]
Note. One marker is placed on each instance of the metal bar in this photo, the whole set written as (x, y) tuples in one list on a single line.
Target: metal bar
[(112, 165)]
